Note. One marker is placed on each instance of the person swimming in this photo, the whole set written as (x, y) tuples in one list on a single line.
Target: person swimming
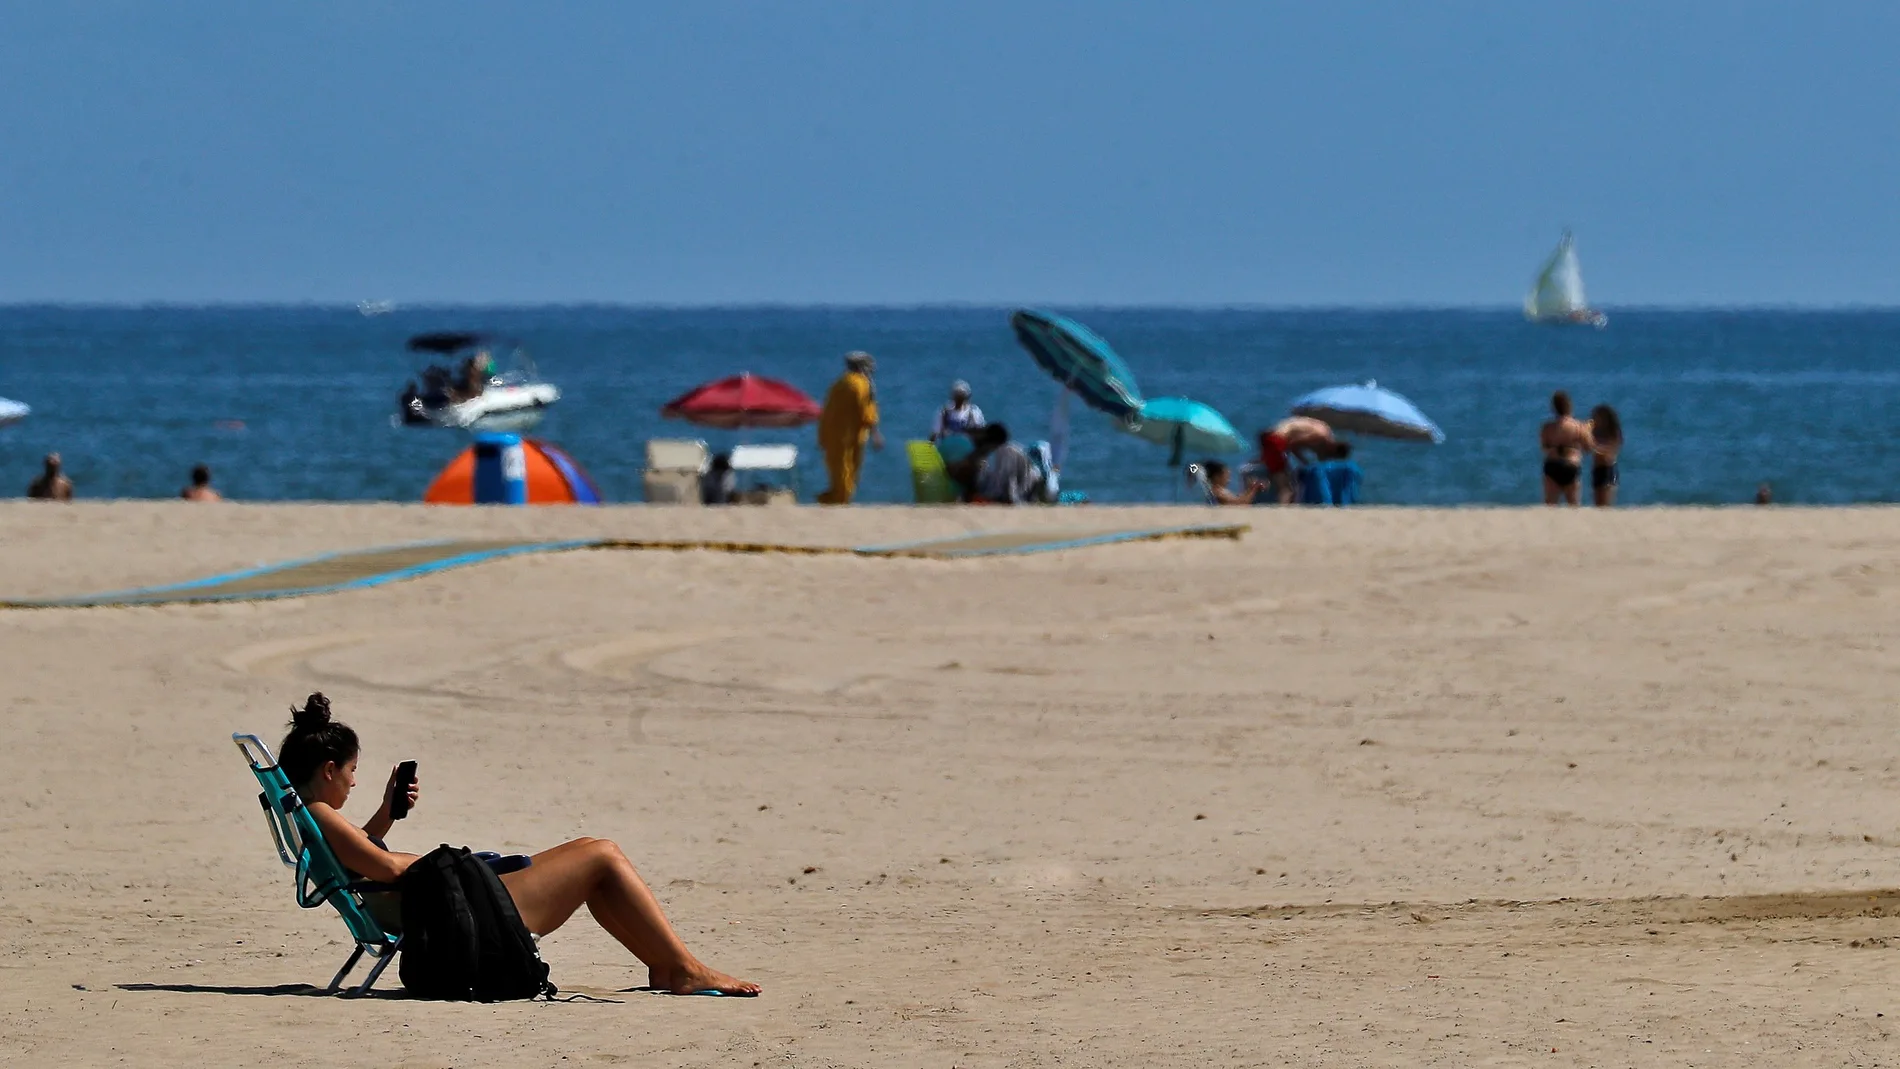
[(200, 488), (1606, 444), (52, 484), (1563, 440), (319, 757)]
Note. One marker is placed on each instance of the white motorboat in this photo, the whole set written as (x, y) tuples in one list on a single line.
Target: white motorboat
[(1557, 296), (12, 411), (472, 392)]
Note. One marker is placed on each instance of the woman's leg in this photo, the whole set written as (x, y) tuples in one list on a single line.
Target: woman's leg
[(593, 872), (1602, 485)]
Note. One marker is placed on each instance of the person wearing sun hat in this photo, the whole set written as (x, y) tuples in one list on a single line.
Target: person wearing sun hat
[(848, 419)]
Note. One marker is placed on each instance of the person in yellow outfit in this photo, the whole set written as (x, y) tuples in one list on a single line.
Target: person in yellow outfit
[(847, 420)]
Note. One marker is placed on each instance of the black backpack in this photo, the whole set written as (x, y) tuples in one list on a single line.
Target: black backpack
[(461, 936)]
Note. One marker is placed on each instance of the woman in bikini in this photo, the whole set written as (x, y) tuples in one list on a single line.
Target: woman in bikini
[(1563, 440), (319, 759), (1606, 444)]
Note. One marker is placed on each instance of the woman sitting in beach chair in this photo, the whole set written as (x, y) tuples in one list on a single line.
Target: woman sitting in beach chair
[(1211, 478), (319, 758)]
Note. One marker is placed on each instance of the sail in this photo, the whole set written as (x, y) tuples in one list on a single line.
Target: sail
[(1559, 289)]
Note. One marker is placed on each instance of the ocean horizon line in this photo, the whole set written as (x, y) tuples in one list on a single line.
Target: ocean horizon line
[(1395, 308), (969, 509)]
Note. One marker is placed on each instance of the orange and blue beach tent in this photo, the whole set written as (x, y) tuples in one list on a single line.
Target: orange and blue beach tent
[(553, 478)]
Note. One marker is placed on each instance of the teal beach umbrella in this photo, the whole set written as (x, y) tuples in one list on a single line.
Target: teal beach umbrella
[(1184, 425), (1081, 361)]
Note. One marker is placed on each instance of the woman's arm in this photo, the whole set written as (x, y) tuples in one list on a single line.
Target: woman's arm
[(1224, 496), (377, 827), (352, 846)]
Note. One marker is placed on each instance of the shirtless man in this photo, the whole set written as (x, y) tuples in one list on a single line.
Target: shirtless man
[(52, 485), (1564, 439), (1301, 437), (200, 488)]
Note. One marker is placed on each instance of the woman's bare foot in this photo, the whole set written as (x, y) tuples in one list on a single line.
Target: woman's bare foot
[(694, 977)]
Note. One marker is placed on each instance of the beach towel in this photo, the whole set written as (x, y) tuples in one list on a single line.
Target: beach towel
[(1332, 482)]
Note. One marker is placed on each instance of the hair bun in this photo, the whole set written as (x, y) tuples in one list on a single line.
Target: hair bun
[(315, 714)]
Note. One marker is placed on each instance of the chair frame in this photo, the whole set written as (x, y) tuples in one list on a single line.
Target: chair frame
[(320, 876)]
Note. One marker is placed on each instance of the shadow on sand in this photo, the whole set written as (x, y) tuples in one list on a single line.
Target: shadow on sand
[(313, 991), (296, 990)]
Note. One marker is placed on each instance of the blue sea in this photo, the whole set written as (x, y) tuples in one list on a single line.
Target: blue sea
[(293, 403)]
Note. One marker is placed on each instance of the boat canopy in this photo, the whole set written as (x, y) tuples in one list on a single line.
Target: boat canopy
[(447, 341)]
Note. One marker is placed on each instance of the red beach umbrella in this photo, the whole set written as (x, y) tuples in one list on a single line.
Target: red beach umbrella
[(740, 401)]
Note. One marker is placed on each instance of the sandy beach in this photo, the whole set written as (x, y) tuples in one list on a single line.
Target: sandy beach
[(1366, 787)]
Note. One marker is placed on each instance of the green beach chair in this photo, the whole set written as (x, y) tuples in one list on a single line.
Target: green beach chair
[(320, 877), (930, 481)]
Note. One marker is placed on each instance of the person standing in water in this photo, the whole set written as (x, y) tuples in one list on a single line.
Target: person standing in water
[(959, 416), (52, 485), (1563, 438), (1606, 444), (847, 420), (200, 488)]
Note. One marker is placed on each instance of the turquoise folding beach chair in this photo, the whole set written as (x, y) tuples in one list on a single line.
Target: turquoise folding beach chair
[(320, 877), (1198, 476)]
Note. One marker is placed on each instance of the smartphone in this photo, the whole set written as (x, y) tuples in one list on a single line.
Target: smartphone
[(405, 779)]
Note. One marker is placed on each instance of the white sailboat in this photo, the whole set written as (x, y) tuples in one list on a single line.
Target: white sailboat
[(12, 411), (1557, 296)]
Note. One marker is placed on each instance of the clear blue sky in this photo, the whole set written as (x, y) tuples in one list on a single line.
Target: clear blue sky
[(901, 151)]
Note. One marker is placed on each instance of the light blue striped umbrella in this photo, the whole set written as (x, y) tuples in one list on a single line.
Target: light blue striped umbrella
[(1185, 426), (1369, 410), (1080, 361)]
